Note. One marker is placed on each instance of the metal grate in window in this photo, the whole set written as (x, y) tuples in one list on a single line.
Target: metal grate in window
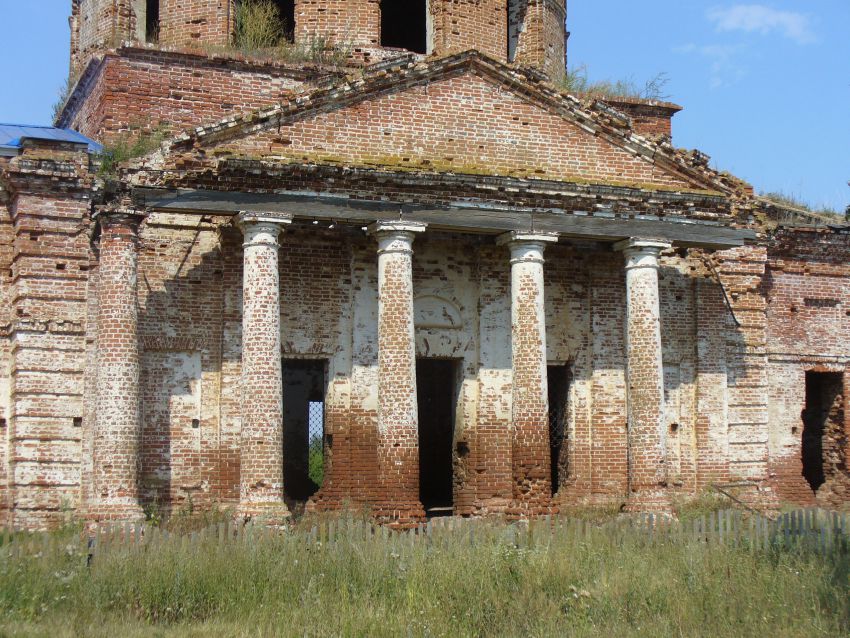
[(315, 440)]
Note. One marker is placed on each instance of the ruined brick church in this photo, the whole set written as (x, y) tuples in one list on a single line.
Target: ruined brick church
[(408, 274)]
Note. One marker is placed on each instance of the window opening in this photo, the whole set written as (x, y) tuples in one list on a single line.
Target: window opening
[(437, 394), (823, 418), (303, 427), (404, 25), (152, 21), (558, 379), (516, 18), (286, 9)]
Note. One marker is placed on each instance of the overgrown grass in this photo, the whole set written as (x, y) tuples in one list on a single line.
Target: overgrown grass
[(577, 81), (259, 24), (783, 199), (129, 146), (261, 32), (63, 94), (280, 585)]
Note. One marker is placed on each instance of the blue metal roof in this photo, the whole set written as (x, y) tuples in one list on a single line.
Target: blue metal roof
[(12, 134)]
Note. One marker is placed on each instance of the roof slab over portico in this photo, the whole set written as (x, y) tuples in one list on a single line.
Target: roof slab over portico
[(464, 143), (470, 217)]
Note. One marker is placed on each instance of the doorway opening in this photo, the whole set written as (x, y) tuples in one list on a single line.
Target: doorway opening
[(437, 392), (822, 415), (404, 25), (558, 379), (304, 383)]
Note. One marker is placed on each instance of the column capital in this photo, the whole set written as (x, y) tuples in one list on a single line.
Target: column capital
[(119, 216), (248, 218), (517, 236), (641, 253), (262, 228), (526, 247), (395, 236)]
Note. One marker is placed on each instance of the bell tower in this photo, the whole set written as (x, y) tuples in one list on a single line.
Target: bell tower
[(527, 32)]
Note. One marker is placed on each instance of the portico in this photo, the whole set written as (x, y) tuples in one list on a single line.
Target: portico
[(396, 474)]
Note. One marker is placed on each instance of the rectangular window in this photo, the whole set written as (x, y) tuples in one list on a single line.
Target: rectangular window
[(404, 25), (152, 21)]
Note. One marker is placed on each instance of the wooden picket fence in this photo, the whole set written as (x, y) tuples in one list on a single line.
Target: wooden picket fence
[(810, 530)]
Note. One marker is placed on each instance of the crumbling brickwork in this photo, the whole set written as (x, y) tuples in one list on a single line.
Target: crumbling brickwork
[(806, 288), (146, 317)]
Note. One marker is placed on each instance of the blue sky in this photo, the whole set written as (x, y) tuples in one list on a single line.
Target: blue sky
[(765, 85)]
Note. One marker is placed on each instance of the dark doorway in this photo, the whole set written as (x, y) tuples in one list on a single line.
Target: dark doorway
[(824, 406), (436, 387), (404, 25), (152, 21), (286, 9), (303, 427), (558, 379)]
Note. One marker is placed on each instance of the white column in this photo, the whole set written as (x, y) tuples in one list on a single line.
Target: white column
[(398, 421), (644, 377), (532, 483), (261, 468)]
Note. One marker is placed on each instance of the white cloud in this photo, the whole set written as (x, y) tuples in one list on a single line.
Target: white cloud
[(723, 61), (758, 18)]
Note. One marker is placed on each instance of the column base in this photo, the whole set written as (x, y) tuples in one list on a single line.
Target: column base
[(649, 502), (270, 514)]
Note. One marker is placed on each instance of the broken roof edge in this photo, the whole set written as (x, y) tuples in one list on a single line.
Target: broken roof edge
[(614, 125)]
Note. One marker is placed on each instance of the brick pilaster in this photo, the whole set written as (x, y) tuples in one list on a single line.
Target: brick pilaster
[(261, 467), (398, 421), (532, 484), (115, 445), (644, 377)]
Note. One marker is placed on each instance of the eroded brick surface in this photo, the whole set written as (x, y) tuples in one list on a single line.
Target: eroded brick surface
[(141, 367)]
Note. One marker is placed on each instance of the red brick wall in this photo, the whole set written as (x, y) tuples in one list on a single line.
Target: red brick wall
[(807, 286), (352, 25), (649, 118), (458, 117), (195, 22), (145, 89), (45, 287)]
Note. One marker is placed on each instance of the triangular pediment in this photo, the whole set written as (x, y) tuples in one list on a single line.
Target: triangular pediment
[(462, 114)]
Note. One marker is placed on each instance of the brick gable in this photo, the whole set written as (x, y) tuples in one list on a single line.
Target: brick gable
[(463, 123)]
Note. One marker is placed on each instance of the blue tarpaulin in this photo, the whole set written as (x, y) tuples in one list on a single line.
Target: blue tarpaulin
[(12, 134)]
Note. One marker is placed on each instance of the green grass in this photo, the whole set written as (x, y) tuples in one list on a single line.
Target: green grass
[(577, 81), (601, 585), (783, 199), (261, 32), (130, 145)]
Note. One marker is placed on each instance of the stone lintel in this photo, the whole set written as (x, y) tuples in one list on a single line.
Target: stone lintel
[(643, 245), (520, 236), (251, 217), (398, 226)]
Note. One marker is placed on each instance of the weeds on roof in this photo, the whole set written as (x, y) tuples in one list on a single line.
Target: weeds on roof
[(130, 145), (790, 201), (261, 32), (577, 81)]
